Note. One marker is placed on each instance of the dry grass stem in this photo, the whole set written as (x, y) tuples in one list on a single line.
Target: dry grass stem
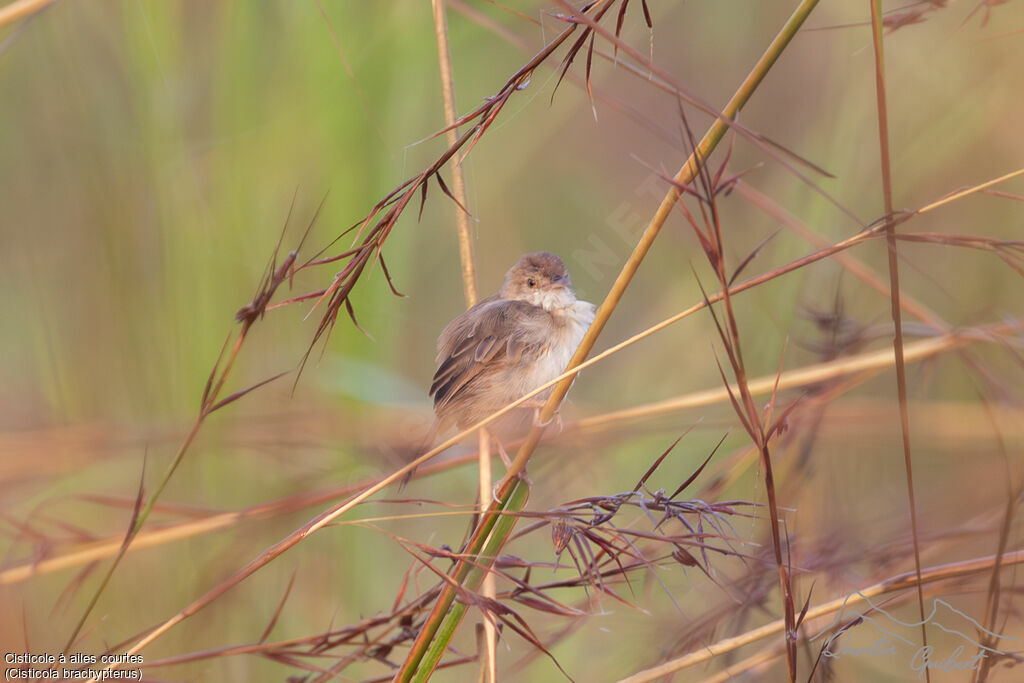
[(458, 177), (20, 9), (868, 362)]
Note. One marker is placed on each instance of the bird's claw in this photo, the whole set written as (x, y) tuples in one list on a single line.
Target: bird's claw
[(556, 418)]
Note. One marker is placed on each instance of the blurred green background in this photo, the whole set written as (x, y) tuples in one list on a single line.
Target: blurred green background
[(151, 150)]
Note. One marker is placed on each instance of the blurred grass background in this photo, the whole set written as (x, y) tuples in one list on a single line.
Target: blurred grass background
[(150, 154)]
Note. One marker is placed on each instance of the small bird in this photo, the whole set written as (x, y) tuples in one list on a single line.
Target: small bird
[(508, 345)]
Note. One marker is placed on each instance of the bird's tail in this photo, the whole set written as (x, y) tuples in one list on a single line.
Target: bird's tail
[(425, 445)]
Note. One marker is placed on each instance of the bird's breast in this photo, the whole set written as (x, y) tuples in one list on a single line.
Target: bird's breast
[(570, 324)]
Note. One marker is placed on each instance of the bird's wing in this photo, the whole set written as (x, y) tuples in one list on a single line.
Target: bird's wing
[(495, 332)]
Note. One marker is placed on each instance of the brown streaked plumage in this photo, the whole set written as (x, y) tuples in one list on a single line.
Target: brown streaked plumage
[(509, 344)]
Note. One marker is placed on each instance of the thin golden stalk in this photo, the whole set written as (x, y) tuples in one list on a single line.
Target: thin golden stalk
[(488, 588), (867, 362), (968, 191), (733, 670), (458, 179), (20, 9)]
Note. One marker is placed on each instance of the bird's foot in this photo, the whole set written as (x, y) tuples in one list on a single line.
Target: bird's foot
[(556, 418)]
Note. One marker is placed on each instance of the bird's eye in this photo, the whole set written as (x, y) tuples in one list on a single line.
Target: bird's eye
[(531, 282)]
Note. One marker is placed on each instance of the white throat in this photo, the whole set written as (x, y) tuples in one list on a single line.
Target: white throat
[(553, 299)]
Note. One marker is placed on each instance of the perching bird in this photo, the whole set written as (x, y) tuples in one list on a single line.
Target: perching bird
[(507, 345)]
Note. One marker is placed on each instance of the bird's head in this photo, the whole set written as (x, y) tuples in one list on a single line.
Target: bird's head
[(539, 278)]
